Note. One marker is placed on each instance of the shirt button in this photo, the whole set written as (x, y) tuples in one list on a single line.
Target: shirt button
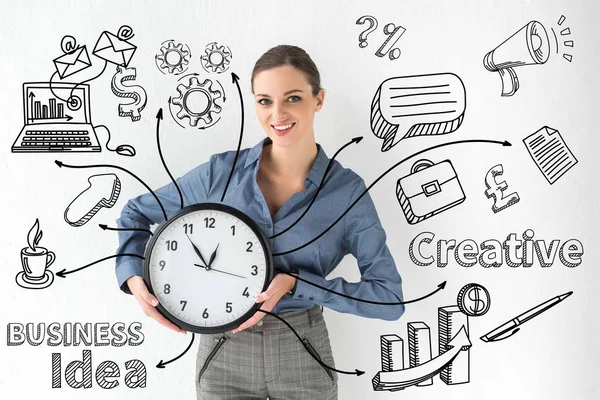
[(259, 323), (310, 298), (300, 296)]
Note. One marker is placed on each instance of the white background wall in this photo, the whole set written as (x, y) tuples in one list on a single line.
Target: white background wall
[(555, 356)]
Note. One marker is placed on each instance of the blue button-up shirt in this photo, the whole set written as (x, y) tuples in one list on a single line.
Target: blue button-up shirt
[(358, 233)]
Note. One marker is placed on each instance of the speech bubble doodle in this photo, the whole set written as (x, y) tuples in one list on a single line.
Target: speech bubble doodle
[(420, 104)]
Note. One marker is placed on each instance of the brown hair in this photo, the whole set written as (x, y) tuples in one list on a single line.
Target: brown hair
[(294, 56)]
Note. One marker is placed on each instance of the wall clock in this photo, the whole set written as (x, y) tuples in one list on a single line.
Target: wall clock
[(206, 264)]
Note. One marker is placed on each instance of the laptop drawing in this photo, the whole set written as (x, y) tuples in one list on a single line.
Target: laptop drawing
[(57, 119)]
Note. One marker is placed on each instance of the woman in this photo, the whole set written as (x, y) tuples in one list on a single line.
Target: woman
[(273, 183)]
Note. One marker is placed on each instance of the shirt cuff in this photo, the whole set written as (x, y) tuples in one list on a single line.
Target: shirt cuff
[(126, 270), (306, 291)]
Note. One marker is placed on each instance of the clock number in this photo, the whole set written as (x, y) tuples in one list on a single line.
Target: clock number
[(205, 313), (210, 222), (233, 230), (246, 293), (254, 270), (167, 289), (171, 245), (162, 264), (228, 307), (249, 249), (189, 227), (184, 302)]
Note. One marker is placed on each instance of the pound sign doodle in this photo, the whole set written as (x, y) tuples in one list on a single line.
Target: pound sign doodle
[(135, 92), (496, 190)]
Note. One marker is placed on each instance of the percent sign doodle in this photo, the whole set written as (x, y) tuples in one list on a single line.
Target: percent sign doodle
[(392, 31)]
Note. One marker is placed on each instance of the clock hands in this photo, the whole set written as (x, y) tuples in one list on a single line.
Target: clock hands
[(212, 256), (218, 270), (197, 250)]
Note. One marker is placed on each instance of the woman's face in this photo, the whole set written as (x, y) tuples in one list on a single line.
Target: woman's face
[(285, 105)]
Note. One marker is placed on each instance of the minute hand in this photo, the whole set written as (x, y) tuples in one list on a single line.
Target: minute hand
[(218, 270)]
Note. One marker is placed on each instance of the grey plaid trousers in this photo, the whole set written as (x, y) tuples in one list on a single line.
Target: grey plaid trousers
[(268, 361)]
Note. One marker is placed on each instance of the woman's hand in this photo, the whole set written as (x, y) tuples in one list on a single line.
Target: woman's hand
[(280, 285), (138, 288)]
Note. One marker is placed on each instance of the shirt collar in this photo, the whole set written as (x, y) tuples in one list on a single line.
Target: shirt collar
[(316, 172)]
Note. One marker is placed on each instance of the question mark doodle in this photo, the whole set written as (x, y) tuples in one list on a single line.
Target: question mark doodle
[(362, 38)]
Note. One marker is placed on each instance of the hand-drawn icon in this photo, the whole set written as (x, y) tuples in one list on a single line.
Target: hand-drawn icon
[(392, 32), (473, 300), (428, 104), (48, 127), (103, 191), (452, 363), (35, 261), (511, 327), (134, 92), (173, 57), (428, 190), (496, 190), (216, 58), (567, 43), (115, 48), (74, 59), (550, 153), (197, 101), (528, 46)]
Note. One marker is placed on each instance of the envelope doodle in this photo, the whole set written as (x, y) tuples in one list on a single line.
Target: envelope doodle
[(75, 59), (115, 48)]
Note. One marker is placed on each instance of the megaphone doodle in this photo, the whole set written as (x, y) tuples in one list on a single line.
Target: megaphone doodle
[(528, 46)]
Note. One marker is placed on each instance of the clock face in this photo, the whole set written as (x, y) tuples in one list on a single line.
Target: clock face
[(206, 265)]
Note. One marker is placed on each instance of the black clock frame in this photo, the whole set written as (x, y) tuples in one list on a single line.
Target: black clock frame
[(264, 241)]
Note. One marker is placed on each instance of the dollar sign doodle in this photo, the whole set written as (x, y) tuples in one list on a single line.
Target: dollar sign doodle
[(496, 190), (134, 92), (473, 300), (474, 295)]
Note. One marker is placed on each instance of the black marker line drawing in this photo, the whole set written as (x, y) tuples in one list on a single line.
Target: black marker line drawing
[(422, 104), (216, 58), (235, 80), (497, 142), (115, 48), (511, 327), (159, 117), (428, 190), (197, 101), (48, 127), (390, 30), (452, 362), (35, 261), (63, 272), (105, 227), (74, 59), (162, 364), (136, 93), (173, 57), (567, 43), (473, 300), (103, 192), (550, 153), (496, 190)]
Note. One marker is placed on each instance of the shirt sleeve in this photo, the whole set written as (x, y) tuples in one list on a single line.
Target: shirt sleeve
[(365, 239), (143, 211)]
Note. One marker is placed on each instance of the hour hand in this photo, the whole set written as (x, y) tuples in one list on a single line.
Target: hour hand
[(196, 250), (212, 256)]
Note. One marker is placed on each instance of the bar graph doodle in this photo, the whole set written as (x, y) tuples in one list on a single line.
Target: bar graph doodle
[(550, 153), (420, 104), (495, 190), (35, 261), (216, 58), (103, 192), (173, 57)]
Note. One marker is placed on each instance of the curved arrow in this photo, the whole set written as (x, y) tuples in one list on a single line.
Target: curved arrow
[(62, 273), (354, 140), (235, 80), (107, 228), (159, 117), (356, 372), (171, 111), (505, 143), (61, 164), (400, 379), (441, 286), (162, 364)]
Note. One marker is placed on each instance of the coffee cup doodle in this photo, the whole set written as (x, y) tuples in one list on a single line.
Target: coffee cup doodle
[(35, 261)]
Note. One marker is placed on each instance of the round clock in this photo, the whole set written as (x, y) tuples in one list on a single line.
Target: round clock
[(206, 264)]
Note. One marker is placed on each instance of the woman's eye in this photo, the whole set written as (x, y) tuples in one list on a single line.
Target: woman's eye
[(263, 101), (294, 98)]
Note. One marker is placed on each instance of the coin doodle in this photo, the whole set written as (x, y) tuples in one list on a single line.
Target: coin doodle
[(473, 300)]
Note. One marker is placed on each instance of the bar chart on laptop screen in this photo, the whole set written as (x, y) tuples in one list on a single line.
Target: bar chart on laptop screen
[(45, 105)]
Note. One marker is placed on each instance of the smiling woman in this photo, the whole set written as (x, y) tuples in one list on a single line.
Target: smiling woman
[(274, 183)]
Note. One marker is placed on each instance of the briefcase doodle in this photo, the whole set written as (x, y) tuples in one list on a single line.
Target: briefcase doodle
[(428, 190)]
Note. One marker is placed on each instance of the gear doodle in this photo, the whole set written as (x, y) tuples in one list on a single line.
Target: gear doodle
[(216, 58), (197, 93), (173, 57)]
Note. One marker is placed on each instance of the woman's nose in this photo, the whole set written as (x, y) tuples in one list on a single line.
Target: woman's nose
[(279, 112)]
